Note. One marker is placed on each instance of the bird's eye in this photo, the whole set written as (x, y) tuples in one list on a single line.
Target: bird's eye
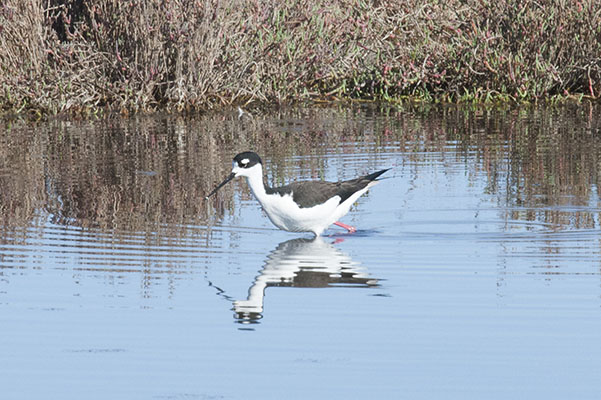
[(244, 162)]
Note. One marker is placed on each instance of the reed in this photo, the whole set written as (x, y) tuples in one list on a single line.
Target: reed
[(86, 57)]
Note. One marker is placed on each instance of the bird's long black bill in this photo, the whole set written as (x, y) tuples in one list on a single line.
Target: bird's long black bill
[(229, 178)]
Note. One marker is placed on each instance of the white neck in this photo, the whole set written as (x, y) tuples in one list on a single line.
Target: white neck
[(254, 178)]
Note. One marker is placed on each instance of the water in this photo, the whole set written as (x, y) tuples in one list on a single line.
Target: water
[(475, 272)]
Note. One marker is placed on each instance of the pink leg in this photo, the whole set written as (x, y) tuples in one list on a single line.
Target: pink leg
[(350, 229)]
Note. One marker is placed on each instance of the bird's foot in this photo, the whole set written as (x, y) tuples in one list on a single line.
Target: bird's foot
[(350, 229)]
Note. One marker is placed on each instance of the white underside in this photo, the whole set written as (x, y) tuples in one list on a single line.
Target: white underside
[(287, 215)]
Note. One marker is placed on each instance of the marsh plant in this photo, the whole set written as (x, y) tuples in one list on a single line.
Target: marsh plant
[(88, 56)]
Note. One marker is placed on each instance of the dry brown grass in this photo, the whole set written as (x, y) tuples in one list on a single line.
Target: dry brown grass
[(86, 56)]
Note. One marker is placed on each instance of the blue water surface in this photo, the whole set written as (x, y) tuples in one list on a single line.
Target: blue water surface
[(461, 283)]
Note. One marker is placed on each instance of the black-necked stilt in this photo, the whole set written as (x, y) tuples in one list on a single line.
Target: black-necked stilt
[(300, 206)]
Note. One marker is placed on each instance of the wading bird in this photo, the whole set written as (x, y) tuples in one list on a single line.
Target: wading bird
[(309, 206)]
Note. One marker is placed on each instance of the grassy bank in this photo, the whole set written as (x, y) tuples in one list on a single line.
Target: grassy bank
[(85, 56)]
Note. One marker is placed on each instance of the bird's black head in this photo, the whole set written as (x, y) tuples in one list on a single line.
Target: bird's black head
[(242, 165), (247, 159)]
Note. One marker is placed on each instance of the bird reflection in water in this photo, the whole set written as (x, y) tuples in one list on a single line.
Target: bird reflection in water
[(301, 262)]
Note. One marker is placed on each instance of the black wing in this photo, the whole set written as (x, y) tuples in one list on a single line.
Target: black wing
[(309, 194)]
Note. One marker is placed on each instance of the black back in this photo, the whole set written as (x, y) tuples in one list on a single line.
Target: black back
[(309, 194)]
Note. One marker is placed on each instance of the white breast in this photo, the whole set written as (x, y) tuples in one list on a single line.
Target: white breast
[(286, 214)]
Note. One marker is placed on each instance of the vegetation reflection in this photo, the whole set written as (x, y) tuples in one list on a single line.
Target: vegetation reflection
[(151, 173)]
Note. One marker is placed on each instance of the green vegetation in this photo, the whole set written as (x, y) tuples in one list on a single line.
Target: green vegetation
[(84, 57)]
